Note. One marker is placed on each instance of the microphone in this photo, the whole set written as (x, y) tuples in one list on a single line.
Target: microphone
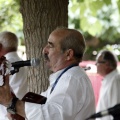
[(33, 62), (87, 68), (114, 111)]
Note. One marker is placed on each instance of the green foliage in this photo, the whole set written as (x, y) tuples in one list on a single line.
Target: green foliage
[(10, 17), (95, 15), (118, 3), (107, 2), (92, 28), (96, 18)]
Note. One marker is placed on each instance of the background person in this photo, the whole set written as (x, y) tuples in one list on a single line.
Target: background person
[(18, 81), (106, 63), (70, 95)]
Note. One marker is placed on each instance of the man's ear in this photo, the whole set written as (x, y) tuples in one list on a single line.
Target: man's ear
[(69, 54)]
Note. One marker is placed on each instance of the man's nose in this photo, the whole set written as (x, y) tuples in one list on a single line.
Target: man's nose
[(45, 50)]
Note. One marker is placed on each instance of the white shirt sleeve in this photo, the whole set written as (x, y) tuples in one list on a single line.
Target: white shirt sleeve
[(65, 102), (32, 113), (18, 83), (109, 95)]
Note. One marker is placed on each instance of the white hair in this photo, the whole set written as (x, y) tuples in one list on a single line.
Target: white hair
[(8, 40)]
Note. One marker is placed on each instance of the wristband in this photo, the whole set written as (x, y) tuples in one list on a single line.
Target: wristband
[(12, 107)]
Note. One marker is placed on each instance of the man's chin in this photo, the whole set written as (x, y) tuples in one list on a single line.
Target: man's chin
[(47, 64)]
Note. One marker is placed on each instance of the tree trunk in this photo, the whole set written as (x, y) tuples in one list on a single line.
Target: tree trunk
[(40, 17)]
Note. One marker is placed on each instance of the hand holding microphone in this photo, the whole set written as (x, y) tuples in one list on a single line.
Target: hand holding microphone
[(6, 66)]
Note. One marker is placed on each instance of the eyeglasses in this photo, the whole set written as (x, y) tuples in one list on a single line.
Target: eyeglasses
[(100, 62)]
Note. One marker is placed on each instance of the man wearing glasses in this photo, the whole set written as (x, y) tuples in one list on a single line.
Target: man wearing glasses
[(106, 63)]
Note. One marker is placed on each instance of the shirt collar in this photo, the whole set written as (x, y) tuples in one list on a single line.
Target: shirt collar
[(108, 76), (54, 76), (10, 54)]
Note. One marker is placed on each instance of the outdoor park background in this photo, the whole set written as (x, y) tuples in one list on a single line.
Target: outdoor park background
[(98, 20)]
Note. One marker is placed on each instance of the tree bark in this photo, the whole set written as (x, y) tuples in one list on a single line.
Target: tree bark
[(40, 17)]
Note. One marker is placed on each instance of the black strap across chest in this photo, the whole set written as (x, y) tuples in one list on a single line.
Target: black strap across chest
[(56, 81)]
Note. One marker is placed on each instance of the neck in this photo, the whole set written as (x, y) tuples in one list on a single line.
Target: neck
[(55, 69), (107, 72)]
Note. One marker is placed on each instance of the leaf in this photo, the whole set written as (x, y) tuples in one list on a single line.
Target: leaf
[(11, 18), (74, 8), (118, 4), (80, 1), (94, 6), (93, 28), (107, 2)]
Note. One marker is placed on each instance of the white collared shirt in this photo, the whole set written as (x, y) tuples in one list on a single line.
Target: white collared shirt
[(109, 93), (71, 99)]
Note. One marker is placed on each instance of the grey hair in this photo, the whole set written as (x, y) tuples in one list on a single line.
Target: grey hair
[(9, 40), (109, 57), (73, 36)]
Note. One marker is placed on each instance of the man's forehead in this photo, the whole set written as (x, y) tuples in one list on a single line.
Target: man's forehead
[(54, 38), (54, 41)]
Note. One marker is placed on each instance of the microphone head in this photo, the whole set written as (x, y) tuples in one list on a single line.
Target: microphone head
[(35, 62), (87, 68)]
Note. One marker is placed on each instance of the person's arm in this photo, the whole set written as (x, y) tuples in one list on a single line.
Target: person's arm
[(20, 108), (6, 98), (114, 96)]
